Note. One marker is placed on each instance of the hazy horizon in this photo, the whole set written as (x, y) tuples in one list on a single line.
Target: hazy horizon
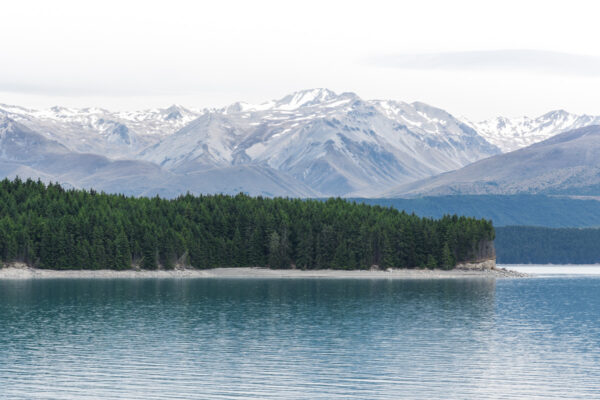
[(472, 59)]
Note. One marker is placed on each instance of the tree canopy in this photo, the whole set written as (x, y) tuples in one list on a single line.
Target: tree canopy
[(47, 226)]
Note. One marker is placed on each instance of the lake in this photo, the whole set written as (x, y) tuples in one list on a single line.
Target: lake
[(301, 338)]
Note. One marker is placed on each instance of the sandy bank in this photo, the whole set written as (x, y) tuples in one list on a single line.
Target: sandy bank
[(24, 272)]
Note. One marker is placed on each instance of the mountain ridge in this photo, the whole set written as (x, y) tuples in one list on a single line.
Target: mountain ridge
[(563, 164), (321, 142), (511, 134)]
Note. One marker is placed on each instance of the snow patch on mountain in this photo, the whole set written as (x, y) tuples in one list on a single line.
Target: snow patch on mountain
[(514, 133), (316, 140), (96, 130), (336, 144)]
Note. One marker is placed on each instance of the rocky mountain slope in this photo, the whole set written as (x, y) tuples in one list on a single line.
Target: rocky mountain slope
[(336, 144), (316, 141), (99, 131), (567, 163), (309, 143), (28, 154), (513, 134)]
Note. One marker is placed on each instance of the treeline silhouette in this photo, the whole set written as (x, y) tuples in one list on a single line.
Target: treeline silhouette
[(47, 226)]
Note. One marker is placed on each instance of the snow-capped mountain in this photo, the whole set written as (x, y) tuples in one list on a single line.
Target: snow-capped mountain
[(99, 131), (566, 164), (512, 134), (28, 154), (336, 144), (308, 143)]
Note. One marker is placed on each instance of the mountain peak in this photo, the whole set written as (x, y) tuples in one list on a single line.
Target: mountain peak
[(305, 98), (292, 101), (335, 143), (556, 114), (514, 133), (174, 112), (564, 163)]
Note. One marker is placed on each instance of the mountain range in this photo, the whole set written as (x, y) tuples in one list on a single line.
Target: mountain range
[(307, 144), (565, 164), (512, 134)]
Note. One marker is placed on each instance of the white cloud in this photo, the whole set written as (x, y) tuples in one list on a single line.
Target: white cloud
[(535, 61)]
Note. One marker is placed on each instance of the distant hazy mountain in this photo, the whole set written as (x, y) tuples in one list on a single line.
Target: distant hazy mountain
[(98, 131), (567, 163), (521, 209), (512, 134), (309, 142), (28, 154)]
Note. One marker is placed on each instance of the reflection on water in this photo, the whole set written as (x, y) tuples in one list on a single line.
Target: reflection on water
[(310, 338)]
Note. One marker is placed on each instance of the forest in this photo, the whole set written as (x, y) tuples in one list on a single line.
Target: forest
[(537, 245), (47, 226)]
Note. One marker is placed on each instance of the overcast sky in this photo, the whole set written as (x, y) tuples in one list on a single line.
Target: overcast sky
[(473, 58)]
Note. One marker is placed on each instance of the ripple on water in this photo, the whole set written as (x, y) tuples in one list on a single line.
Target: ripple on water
[(307, 338)]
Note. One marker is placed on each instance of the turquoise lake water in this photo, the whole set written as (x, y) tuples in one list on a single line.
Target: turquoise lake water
[(300, 339)]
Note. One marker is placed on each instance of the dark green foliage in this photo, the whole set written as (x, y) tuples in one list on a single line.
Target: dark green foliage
[(278, 251), (149, 249), (533, 245), (122, 251), (49, 227), (431, 262), (447, 258)]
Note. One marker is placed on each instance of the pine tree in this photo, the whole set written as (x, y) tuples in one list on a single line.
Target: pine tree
[(431, 262), (123, 253), (389, 256), (447, 258), (305, 252), (239, 250), (149, 252), (275, 259), (97, 252)]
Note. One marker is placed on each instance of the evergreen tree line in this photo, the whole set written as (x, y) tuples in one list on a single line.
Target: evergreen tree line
[(49, 227), (536, 245)]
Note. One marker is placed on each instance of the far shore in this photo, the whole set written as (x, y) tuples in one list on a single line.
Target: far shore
[(21, 271)]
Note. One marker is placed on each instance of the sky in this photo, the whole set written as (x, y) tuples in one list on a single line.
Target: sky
[(476, 59)]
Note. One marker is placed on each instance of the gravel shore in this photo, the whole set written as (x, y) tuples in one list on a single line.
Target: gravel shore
[(20, 271)]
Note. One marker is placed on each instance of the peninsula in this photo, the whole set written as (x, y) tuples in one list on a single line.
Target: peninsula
[(49, 227)]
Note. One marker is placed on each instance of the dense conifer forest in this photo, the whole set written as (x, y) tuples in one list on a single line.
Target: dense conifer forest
[(47, 226), (535, 245)]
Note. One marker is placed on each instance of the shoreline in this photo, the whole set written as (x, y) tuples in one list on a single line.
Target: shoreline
[(23, 272)]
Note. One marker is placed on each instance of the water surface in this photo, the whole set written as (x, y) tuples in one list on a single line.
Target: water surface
[(549, 270), (300, 338)]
